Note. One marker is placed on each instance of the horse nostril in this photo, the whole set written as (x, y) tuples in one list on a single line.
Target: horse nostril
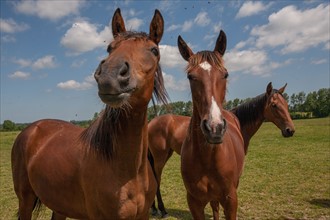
[(206, 126), (124, 70), (289, 131)]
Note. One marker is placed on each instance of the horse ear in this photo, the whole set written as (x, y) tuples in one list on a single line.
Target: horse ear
[(156, 27), (221, 43), (281, 90), (118, 25), (269, 88), (184, 49)]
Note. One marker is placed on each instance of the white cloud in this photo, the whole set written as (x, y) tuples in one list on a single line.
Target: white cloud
[(134, 24), (250, 8), (173, 84), (202, 19), (74, 85), (10, 26), (187, 25), (84, 36), (295, 30), (22, 62), (170, 56), (8, 38), (47, 61), (19, 75), (52, 10), (246, 61), (173, 27), (78, 63), (318, 62)]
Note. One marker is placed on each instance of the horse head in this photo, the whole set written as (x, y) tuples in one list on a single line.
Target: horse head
[(131, 70), (277, 111), (208, 78)]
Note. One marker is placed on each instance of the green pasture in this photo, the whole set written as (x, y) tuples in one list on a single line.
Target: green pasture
[(283, 178)]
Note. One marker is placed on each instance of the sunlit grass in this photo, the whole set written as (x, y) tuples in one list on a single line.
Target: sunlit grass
[(283, 178)]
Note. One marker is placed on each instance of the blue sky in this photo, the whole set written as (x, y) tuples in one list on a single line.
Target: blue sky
[(50, 49)]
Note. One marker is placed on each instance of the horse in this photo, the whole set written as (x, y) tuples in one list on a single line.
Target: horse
[(212, 154), (167, 132), (100, 172), (270, 106)]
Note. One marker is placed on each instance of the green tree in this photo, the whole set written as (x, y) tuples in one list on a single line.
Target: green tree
[(323, 101), (8, 125), (286, 97)]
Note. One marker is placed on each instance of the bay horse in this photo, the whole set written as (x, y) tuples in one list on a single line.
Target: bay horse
[(167, 132), (212, 154), (101, 172)]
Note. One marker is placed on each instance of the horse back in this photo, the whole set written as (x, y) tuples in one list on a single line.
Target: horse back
[(45, 159)]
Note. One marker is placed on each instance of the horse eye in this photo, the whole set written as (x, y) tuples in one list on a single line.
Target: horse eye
[(274, 105), (155, 51), (109, 49), (226, 75), (190, 77)]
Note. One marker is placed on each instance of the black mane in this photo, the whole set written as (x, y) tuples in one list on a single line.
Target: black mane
[(249, 111), (100, 136)]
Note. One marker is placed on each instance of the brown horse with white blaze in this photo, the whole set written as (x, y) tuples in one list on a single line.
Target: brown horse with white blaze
[(101, 172), (212, 155), (167, 132)]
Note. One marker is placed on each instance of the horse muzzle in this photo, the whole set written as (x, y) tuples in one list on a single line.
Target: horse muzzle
[(213, 133), (115, 84), (114, 100), (288, 132)]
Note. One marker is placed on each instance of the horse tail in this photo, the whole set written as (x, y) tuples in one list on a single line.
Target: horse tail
[(152, 163), (36, 208)]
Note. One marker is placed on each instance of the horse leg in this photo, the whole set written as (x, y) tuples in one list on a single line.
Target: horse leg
[(161, 206), (27, 203), (154, 210), (27, 199), (215, 209), (159, 166), (196, 207), (56, 216), (230, 205)]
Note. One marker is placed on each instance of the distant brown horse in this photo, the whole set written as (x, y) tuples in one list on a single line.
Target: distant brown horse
[(167, 132), (212, 155), (101, 172)]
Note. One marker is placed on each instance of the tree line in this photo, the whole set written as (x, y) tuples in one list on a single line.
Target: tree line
[(301, 105), (312, 105)]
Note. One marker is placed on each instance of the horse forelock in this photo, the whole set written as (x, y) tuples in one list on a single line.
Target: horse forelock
[(212, 57)]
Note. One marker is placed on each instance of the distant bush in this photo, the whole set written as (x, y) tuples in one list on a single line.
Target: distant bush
[(301, 115)]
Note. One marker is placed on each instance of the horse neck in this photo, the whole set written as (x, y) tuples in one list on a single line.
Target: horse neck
[(132, 140), (251, 117), (121, 139)]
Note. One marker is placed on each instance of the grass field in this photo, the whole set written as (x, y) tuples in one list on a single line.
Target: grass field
[(283, 178)]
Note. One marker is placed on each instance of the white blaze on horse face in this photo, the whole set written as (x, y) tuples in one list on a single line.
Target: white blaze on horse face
[(215, 114), (206, 66)]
